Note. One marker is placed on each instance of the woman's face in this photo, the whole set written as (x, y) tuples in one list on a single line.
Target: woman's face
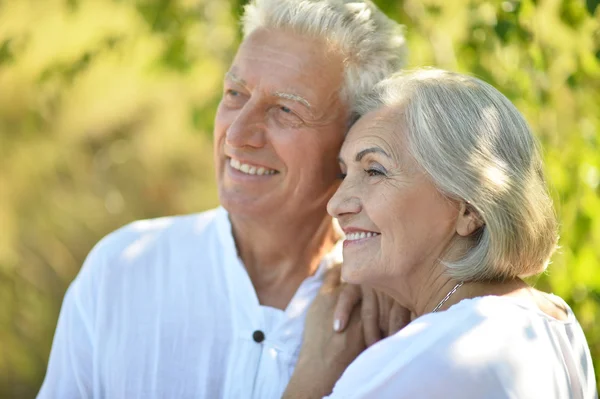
[(397, 223)]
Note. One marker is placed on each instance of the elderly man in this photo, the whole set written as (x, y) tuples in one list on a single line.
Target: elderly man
[(212, 305)]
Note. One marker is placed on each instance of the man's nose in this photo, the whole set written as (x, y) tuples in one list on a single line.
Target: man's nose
[(247, 129), (344, 201)]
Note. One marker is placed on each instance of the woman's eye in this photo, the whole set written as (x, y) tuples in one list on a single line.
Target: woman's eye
[(285, 109), (233, 93), (341, 176), (374, 172)]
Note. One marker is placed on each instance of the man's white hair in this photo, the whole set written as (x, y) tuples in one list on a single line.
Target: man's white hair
[(477, 148), (372, 45)]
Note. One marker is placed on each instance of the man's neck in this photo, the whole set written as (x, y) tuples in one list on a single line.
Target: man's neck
[(279, 253)]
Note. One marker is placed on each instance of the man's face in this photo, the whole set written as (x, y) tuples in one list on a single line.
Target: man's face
[(279, 126)]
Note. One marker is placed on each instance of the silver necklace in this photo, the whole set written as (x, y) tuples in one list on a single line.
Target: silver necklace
[(448, 295)]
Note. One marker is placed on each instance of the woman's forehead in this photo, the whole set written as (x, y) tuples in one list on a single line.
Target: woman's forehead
[(381, 128)]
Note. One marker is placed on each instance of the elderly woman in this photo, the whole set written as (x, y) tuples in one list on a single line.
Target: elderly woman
[(445, 209)]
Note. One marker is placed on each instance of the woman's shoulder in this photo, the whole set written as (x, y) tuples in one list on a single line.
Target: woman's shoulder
[(488, 327), (480, 342), (475, 326)]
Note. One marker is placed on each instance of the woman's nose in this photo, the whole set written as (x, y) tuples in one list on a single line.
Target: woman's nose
[(344, 201)]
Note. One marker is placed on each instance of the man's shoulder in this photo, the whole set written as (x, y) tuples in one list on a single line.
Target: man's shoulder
[(169, 226), (146, 237)]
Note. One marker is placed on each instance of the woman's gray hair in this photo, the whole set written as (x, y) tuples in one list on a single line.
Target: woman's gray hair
[(477, 147), (373, 46)]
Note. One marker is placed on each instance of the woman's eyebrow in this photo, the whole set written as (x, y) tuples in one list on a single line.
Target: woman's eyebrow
[(361, 154), (370, 150)]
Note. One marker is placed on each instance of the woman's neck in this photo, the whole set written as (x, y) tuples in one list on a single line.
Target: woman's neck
[(445, 285)]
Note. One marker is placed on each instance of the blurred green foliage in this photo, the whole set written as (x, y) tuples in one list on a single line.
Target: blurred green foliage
[(106, 112)]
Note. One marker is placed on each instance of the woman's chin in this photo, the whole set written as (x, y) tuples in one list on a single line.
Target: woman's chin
[(353, 273)]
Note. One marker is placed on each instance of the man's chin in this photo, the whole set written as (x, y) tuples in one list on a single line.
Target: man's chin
[(245, 206)]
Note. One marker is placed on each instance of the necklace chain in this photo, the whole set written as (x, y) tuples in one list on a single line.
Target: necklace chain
[(448, 295)]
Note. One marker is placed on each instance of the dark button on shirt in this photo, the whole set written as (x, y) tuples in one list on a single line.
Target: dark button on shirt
[(258, 336)]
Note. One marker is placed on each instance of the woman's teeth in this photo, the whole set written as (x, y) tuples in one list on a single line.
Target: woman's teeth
[(249, 169), (360, 235)]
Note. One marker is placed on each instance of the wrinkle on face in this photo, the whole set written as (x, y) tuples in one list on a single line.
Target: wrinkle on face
[(275, 70), (415, 219), (322, 108)]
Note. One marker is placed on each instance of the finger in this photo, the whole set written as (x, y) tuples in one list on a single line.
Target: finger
[(349, 297), (384, 304), (332, 280), (398, 319), (370, 316)]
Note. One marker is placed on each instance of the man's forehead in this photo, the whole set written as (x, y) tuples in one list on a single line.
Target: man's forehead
[(294, 53), (289, 66), (283, 43), (283, 64)]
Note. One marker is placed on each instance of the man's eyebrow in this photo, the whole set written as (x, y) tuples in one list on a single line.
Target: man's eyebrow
[(288, 96), (236, 79), (370, 150), (293, 97)]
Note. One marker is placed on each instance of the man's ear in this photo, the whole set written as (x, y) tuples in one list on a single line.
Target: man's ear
[(469, 220)]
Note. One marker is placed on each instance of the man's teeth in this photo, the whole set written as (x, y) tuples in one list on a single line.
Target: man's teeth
[(249, 169), (360, 235)]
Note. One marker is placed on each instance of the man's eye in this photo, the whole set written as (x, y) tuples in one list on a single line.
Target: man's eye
[(286, 116), (341, 176), (234, 98)]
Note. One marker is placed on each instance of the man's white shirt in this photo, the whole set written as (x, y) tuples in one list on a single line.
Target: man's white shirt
[(164, 308)]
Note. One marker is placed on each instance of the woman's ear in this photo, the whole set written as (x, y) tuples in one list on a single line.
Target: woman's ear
[(469, 220)]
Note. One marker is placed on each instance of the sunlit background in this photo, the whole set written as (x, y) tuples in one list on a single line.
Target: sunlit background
[(106, 113)]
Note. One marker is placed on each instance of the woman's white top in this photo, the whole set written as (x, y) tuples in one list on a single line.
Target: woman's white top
[(164, 308), (488, 347)]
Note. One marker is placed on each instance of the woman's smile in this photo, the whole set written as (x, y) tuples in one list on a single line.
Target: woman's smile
[(357, 237)]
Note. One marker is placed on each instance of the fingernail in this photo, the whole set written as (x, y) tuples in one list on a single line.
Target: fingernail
[(336, 325)]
